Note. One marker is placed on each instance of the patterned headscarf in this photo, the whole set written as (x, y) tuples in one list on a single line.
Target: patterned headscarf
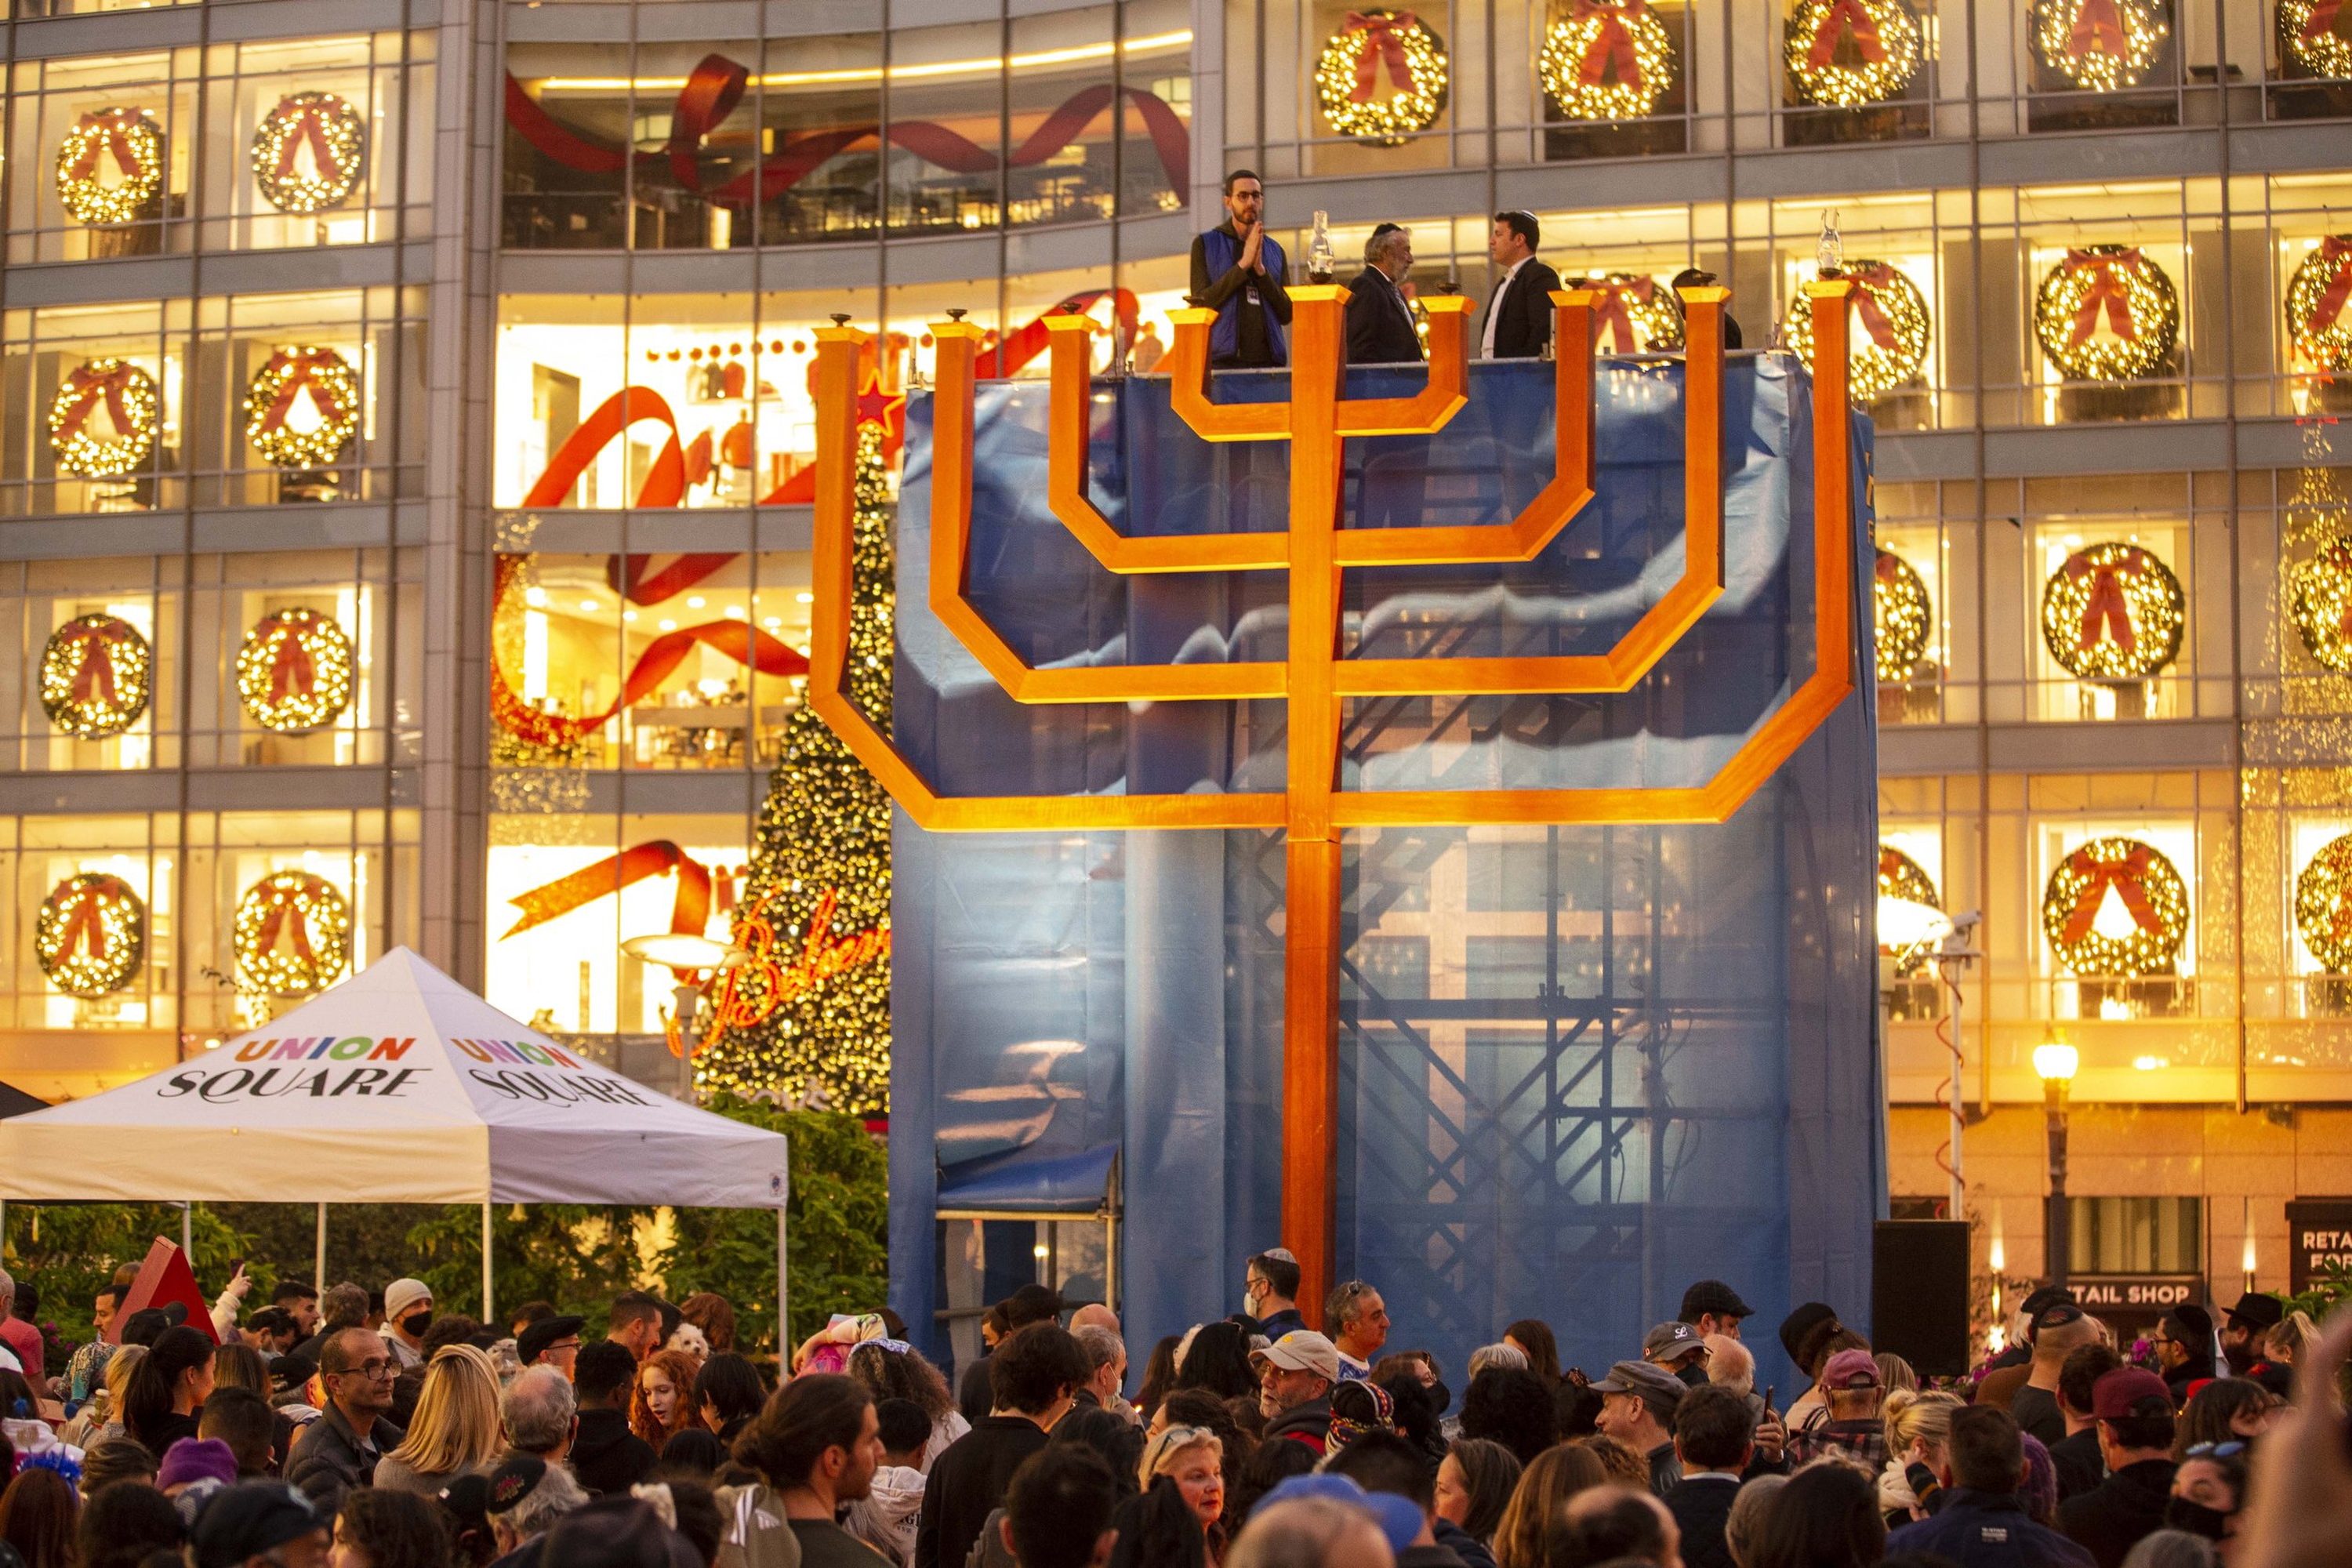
[(1358, 1408)]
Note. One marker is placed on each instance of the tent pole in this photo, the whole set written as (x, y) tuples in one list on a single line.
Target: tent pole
[(319, 1255), (783, 1294), (486, 1308), (188, 1232)]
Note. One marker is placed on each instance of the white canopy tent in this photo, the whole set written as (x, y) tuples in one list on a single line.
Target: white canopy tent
[(397, 1086)]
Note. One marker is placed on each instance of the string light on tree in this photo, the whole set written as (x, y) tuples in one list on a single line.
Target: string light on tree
[(2318, 322), (89, 934), (128, 140), (2323, 904), (818, 894), (1901, 877), (1846, 54), (294, 672), (1891, 350), (314, 127), (104, 419), (2116, 907), (1637, 315), (292, 934), (2319, 602), (2317, 36), (96, 675), (2112, 611), (302, 408), (2116, 287), (2099, 44), (1382, 76), (1901, 616), (1607, 61)]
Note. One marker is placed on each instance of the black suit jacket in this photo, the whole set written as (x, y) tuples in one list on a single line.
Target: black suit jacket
[(1524, 325), (1700, 1505), (1379, 328)]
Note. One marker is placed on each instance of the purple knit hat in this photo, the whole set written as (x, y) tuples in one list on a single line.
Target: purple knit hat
[(197, 1459)]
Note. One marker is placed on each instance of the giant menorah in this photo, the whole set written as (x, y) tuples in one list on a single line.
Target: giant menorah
[(1315, 679)]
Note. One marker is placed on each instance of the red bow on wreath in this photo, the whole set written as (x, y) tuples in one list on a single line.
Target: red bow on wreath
[(309, 368), (2098, 25), (88, 389), (291, 671), (2107, 289), (94, 676), (84, 924), (110, 129), (286, 921), (2320, 21), (1889, 569), (2335, 256), (309, 122), (2128, 874), (1611, 47), (689, 910), (1848, 13), (1379, 46), (1873, 276), (1614, 316), (2105, 601)]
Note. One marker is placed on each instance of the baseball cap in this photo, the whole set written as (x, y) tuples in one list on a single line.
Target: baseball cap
[(1671, 1342), (2123, 1393), (1660, 1389), (2259, 1311), (1713, 1296), (1302, 1350), (1398, 1518), (1851, 1369), (245, 1521), (532, 1342)]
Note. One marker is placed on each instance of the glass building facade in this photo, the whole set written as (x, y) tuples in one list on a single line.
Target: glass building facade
[(342, 348)]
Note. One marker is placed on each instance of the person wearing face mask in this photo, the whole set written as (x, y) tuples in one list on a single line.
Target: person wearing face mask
[(1270, 1292), (2133, 1415), (407, 1313), (2208, 1490)]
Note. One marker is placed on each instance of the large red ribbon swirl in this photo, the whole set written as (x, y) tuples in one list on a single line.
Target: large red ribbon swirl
[(2104, 607), (2126, 874), (689, 910), (2107, 289), (1850, 13), (1379, 45), (1612, 45)]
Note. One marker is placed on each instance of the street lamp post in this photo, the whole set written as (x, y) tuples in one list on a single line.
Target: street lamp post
[(2056, 1062), (696, 961)]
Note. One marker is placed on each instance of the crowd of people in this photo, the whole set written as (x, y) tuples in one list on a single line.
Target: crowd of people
[(371, 1429)]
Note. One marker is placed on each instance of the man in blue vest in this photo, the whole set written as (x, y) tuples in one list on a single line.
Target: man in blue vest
[(1237, 271)]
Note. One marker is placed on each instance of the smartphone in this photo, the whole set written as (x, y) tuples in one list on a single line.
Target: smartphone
[(1767, 1396)]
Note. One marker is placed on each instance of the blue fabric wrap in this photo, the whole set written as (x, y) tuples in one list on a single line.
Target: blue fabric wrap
[(1638, 1056), (1222, 250)]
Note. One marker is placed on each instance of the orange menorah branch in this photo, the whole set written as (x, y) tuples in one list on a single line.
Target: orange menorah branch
[(1315, 551)]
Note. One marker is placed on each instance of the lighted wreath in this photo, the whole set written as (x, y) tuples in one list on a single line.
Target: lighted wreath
[(2155, 908), (2099, 44), (1901, 877), (2316, 297), (1901, 615), (96, 674), (313, 128), (2319, 602), (2323, 904), (1607, 61), (303, 407), (104, 419), (293, 933), (2317, 36), (1636, 314), (89, 934), (1849, 53), (2115, 286), (2112, 611), (1891, 349), (128, 140), (294, 672), (1396, 47)]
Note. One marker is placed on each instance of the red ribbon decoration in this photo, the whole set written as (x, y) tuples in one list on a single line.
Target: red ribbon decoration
[(87, 391), (110, 129), (2128, 877), (2320, 21), (309, 126), (2097, 24), (1888, 570), (1379, 46), (1614, 317), (94, 676), (291, 671), (273, 926), (2336, 254), (716, 84), (1825, 34), (1873, 276), (2105, 602), (1611, 45), (307, 365), (689, 910), (2107, 290), (83, 925)]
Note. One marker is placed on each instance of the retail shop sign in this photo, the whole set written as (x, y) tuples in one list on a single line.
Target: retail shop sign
[(2319, 1241), (2137, 1292)]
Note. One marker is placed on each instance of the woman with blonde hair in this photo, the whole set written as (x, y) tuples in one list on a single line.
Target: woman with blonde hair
[(2285, 1342), (1194, 1459), (661, 1401), (1551, 1477), (455, 1428), (1918, 1426)]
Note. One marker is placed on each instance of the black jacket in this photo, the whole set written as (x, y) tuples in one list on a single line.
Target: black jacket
[(1309, 1423), (1700, 1505), (329, 1461), (975, 1397), (2076, 1459), (2197, 1368), (1473, 1552), (606, 1455), (1380, 322), (967, 1482), (2110, 1517), (1524, 326)]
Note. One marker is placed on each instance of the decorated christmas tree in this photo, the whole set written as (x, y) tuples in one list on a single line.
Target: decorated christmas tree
[(814, 1003)]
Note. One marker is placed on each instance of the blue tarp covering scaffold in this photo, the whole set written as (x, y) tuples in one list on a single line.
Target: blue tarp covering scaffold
[(1580, 1067)]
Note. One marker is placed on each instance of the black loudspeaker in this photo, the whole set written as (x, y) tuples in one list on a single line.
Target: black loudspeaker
[(1919, 1293)]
